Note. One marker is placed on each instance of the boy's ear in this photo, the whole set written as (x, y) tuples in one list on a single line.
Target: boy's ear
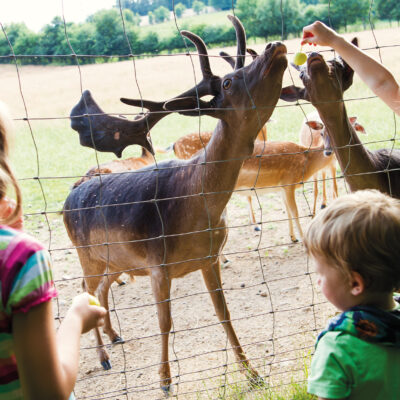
[(357, 284)]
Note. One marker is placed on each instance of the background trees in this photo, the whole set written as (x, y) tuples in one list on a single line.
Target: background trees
[(104, 34)]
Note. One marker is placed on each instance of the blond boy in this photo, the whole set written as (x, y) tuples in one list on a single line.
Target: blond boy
[(355, 243)]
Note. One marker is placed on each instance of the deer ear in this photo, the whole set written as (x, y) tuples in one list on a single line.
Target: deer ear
[(317, 126), (293, 93)]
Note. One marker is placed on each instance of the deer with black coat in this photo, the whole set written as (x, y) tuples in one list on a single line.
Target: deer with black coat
[(167, 222)]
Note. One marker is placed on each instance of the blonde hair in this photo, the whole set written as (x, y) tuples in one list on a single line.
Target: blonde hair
[(7, 176), (360, 232)]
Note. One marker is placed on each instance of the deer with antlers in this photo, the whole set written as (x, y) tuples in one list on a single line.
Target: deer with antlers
[(324, 84), (143, 216)]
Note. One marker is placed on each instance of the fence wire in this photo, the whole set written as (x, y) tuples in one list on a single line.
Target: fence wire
[(269, 285)]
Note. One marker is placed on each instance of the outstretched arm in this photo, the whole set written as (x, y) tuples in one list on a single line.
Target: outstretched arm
[(378, 78), (48, 362)]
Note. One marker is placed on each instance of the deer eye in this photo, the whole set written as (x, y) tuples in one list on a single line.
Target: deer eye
[(227, 83)]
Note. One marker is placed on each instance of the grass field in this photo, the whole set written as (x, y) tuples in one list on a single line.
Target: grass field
[(50, 149)]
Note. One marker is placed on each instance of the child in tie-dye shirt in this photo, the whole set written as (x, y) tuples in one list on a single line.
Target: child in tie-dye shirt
[(36, 362)]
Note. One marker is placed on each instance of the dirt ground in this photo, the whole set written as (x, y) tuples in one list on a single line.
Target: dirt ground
[(275, 308)]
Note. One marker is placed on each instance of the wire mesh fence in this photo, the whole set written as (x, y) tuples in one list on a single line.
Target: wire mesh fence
[(268, 281)]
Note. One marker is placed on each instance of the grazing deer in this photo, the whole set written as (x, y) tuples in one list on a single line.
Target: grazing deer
[(311, 135), (324, 84), (168, 222)]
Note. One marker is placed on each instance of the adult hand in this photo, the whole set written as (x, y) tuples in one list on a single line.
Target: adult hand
[(318, 33)]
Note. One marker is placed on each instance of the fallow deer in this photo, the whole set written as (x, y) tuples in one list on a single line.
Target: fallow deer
[(166, 222), (324, 84), (311, 135)]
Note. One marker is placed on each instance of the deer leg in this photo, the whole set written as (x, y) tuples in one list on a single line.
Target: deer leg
[(212, 279), (323, 204), (315, 193), (291, 207), (334, 183), (103, 298), (161, 286), (251, 214), (91, 284)]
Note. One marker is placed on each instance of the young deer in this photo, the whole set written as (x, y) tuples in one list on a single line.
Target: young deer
[(166, 222), (273, 166), (311, 135), (324, 84)]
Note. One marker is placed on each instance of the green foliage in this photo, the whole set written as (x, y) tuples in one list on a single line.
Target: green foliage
[(179, 9), (316, 12), (345, 12), (388, 9), (198, 6), (161, 14), (222, 4)]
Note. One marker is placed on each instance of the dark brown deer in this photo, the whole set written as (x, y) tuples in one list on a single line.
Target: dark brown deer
[(168, 222), (324, 84)]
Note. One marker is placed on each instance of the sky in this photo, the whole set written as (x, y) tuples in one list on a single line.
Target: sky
[(37, 13)]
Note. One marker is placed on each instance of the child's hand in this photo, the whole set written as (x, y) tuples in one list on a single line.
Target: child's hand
[(318, 33), (7, 206), (90, 315)]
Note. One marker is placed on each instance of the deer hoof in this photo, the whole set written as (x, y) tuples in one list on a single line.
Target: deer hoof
[(121, 283), (294, 240), (106, 364), (118, 340), (257, 228), (256, 382), (323, 206), (167, 390), (225, 263)]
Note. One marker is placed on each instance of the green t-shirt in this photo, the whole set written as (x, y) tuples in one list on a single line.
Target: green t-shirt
[(345, 366)]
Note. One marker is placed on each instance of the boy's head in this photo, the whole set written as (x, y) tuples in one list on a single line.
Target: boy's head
[(360, 232)]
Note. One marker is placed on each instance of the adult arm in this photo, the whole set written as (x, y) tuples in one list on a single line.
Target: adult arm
[(377, 77)]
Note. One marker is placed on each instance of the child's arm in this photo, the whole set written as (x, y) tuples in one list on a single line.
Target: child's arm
[(375, 75), (48, 362)]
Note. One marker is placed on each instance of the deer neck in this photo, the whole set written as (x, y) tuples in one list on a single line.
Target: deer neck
[(223, 158), (354, 159)]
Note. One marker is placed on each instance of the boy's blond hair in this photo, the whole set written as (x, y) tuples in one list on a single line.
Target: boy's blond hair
[(360, 232)]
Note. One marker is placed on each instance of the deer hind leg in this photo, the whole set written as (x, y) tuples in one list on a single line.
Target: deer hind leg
[(161, 286), (315, 193), (251, 214), (291, 208), (104, 287), (334, 183), (323, 204), (212, 279), (91, 283)]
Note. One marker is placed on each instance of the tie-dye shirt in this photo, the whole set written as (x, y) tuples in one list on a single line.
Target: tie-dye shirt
[(25, 281)]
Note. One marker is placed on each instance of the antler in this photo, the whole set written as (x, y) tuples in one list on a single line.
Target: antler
[(112, 134), (103, 132)]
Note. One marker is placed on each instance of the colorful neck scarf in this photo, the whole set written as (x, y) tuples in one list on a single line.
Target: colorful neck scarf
[(368, 323)]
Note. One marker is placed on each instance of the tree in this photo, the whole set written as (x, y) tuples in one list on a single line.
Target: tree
[(198, 6), (345, 12), (151, 18), (179, 9), (222, 4), (316, 12), (388, 9), (161, 14)]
